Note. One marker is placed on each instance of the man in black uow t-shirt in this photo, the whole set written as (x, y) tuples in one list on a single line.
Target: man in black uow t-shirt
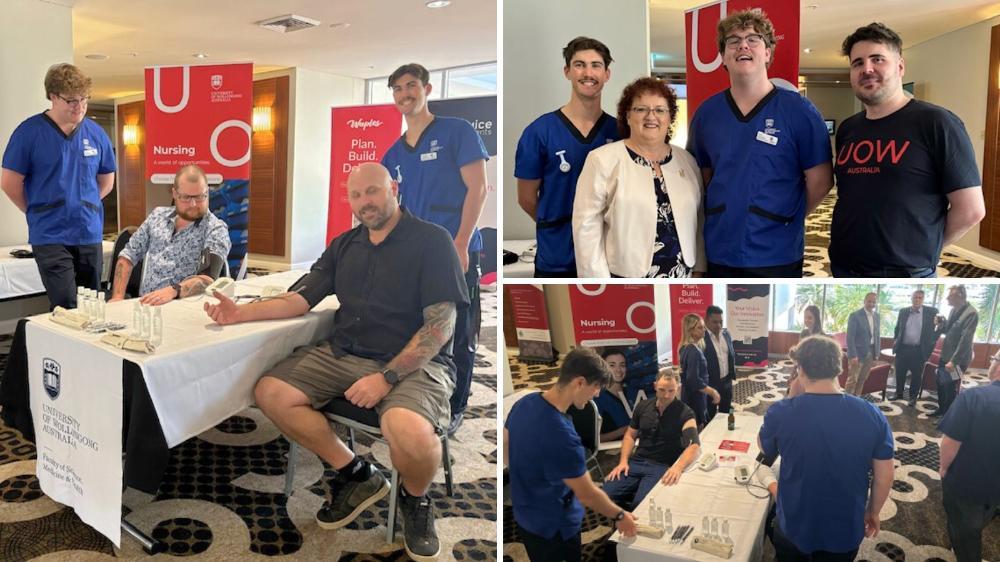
[(668, 443), (399, 285), (907, 180)]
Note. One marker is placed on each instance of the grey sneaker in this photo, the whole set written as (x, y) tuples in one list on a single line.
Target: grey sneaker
[(350, 498), (419, 537)]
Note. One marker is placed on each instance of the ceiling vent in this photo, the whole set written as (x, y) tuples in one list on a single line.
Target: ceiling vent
[(288, 23)]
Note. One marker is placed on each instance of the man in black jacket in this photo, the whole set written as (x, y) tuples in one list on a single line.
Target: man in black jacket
[(721, 361), (914, 341), (956, 352)]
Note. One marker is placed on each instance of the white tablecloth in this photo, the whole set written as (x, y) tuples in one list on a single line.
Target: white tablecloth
[(19, 277), (519, 268), (714, 493), (203, 373)]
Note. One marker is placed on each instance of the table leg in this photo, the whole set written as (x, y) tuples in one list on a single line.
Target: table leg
[(149, 544)]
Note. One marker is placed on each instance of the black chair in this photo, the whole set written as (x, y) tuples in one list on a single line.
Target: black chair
[(365, 420), (120, 242), (587, 422)]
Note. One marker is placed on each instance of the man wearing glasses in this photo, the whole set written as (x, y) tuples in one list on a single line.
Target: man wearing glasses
[(56, 169), (172, 240), (765, 156)]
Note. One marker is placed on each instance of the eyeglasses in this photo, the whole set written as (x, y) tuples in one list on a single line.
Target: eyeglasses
[(74, 103), (753, 40), (659, 112), (192, 198)]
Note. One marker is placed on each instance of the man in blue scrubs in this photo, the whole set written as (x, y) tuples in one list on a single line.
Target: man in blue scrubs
[(551, 152), (57, 167), (765, 156), (440, 166), (548, 475)]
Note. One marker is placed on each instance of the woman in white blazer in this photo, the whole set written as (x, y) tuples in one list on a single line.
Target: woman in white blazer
[(638, 206)]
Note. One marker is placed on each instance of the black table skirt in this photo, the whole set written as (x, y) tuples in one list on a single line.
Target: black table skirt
[(146, 451)]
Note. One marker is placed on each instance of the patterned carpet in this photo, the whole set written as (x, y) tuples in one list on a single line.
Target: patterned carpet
[(817, 261), (221, 498), (913, 520)]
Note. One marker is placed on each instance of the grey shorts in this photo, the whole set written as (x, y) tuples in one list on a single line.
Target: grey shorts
[(315, 371)]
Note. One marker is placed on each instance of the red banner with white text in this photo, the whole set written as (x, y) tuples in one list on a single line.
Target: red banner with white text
[(199, 115), (686, 299), (359, 134), (705, 74)]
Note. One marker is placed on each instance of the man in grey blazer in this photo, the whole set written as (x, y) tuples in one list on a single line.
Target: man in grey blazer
[(914, 342), (956, 352), (862, 344)]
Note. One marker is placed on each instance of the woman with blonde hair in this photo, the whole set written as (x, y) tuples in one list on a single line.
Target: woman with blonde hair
[(694, 368)]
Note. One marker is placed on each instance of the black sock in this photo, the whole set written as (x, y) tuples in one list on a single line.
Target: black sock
[(355, 470)]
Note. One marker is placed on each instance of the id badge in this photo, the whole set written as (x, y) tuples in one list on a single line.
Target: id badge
[(769, 139), (89, 152), (428, 156)]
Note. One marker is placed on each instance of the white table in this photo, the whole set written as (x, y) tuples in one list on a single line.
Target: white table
[(714, 493), (200, 375), (19, 277), (520, 268)]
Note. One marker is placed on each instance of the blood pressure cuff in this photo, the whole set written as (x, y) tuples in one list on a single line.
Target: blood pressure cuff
[(210, 264), (689, 436)]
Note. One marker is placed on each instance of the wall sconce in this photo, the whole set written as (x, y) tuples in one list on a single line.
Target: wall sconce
[(130, 135), (261, 119)]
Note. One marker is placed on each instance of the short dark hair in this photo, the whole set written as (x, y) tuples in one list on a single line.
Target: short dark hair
[(613, 350), (582, 43), (875, 32), (819, 357), (754, 18), (647, 85), (712, 309), (417, 70), (584, 362)]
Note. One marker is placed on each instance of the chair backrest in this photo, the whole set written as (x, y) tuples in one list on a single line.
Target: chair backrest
[(242, 273), (587, 423), (877, 379)]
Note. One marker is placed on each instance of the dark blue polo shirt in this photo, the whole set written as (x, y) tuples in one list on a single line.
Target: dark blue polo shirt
[(974, 420)]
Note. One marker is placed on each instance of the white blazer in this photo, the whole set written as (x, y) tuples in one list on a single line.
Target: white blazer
[(614, 213)]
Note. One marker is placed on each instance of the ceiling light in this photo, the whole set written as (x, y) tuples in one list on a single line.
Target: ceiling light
[(340, 25), (807, 50), (96, 56), (200, 55), (133, 54), (812, 6), (437, 3)]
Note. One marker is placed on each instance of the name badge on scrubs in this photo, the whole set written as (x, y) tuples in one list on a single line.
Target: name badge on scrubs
[(90, 151), (769, 139), (428, 156)]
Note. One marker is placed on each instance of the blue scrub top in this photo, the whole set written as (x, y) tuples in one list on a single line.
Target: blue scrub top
[(429, 174), (60, 179), (755, 203), (543, 450), (552, 149)]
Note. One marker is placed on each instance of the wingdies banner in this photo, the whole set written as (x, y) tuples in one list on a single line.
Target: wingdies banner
[(746, 318), (201, 115), (705, 74)]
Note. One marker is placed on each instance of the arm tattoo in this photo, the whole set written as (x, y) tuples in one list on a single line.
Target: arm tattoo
[(194, 285), (123, 270), (439, 325)]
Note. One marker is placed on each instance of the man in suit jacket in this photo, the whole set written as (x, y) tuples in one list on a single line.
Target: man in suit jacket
[(721, 361), (862, 344), (956, 352), (914, 342)]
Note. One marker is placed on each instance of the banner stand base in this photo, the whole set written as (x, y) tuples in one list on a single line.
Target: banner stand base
[(149, 545)]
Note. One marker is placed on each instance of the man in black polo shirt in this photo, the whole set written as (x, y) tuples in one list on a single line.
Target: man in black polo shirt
[(668, 443), (399, 284), (970, 465)]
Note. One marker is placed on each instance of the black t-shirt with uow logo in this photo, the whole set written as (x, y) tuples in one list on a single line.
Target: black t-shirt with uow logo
[(893, 178)]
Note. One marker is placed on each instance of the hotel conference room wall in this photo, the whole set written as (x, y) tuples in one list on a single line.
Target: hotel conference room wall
[(533, 82)]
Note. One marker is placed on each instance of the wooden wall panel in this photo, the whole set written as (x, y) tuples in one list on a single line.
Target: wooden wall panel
[(269, 170), (989, 229), (131, 177)]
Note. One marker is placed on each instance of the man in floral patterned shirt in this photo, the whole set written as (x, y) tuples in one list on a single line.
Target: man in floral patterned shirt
[(172, 240)]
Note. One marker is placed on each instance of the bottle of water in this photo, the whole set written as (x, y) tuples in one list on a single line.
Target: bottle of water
[(102, 314), (652, 510), (725, 532), (156, 336), (136, 319), (147, 322), (668, 522), (704, 525), (79, 298), (715, 528)]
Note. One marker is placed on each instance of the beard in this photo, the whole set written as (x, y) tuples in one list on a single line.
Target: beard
[(191, 214), (377, 218)]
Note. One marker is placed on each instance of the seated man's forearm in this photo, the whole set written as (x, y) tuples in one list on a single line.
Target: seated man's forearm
[(194, 285), (439, 325), (288, 305), (123, 270)]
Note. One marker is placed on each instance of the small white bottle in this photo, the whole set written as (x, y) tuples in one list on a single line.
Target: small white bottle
[(715, 528), (102, 314), (659, 517), (652, 511), (136, 319), (668, 522), (725, 532), (147, 322), (79, 298), (704, 525), (156, 335)]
